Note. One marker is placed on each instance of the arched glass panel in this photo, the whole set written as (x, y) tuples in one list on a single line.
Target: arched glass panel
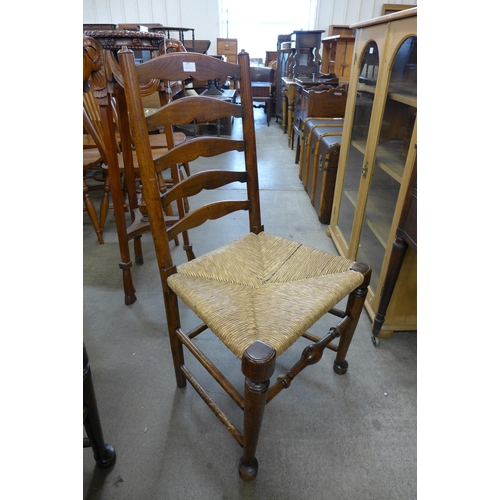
[(354, 165), (392, 149)]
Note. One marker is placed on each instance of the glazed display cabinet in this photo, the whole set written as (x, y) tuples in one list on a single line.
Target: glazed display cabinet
[(376, 159)]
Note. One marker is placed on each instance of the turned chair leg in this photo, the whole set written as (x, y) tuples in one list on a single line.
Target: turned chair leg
[(355, 304), (258, 366)]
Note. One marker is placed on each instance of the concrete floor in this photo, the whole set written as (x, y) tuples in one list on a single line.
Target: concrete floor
[(326, 437)]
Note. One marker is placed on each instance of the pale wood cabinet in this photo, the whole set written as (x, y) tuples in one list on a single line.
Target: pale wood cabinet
[(376, 159), (228, 47), (338, 48)]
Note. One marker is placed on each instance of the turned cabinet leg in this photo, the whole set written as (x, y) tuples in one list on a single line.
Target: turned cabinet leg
[(258, 364), (104, 454), (398, 252)]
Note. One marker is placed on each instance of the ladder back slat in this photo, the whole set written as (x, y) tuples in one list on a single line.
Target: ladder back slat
[(194, 184), (212, 211)]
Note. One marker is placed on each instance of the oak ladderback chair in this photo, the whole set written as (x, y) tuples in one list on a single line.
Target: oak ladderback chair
[(258, 294)]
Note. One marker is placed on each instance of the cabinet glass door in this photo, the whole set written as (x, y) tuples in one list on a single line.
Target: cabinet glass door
[(354, 164), (390, 157)]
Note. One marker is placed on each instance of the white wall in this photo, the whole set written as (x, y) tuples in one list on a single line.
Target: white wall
[(346, 12), (203, 15)]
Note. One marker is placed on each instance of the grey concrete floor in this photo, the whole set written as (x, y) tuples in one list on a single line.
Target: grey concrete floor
[(326, 437)]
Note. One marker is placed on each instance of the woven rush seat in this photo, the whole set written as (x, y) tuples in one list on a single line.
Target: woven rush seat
[(263, 287)]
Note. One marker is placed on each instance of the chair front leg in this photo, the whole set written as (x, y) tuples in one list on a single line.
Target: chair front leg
[(258, 365), (174, 323)]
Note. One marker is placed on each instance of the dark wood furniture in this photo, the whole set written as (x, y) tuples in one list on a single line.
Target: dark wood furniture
[(319, 101), (104, 454), (306, 58), (168, 30), (258, 294), (406, 237), (271, 56), (263, 89)]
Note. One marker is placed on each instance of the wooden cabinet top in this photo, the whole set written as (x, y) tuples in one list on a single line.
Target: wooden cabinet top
[(387, 18), (336, 38)]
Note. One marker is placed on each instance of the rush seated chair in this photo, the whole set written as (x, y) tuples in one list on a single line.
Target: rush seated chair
[(258, 294)]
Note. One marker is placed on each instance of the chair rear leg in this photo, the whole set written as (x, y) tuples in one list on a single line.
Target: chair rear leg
[(354, 307), (258, 364)]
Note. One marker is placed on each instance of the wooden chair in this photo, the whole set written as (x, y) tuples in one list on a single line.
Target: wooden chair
[(263, 88), (100, 75), (94, 164), (258, 294), (97, 155)]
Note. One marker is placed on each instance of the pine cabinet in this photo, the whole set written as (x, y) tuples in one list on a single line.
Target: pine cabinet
[(228, 47), (376, 159), (338, 48)]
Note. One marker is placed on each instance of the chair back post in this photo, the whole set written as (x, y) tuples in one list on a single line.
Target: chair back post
[(145, 158), (251, 145)]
